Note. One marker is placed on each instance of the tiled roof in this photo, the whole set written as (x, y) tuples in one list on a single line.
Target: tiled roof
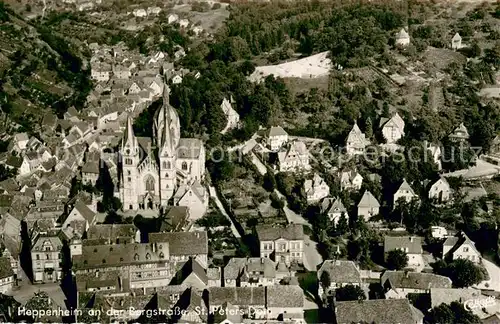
[(284, 296), (290, 232), (183, 243), (240, 296), (341, 271), (412, 243), (414, 280), (377, 311)]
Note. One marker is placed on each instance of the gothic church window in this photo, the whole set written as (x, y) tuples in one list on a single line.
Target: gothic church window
[(184, 166), (150, 184)]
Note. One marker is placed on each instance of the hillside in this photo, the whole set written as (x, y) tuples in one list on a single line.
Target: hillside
[(39, 71)]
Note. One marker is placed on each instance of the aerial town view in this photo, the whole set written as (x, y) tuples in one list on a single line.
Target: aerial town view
[(250, 161)]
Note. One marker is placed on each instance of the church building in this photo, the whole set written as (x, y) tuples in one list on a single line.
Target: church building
[(154, 168)]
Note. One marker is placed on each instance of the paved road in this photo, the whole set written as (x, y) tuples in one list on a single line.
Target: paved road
[(213, 194), (494, 272), (291, 216), (312, 258)]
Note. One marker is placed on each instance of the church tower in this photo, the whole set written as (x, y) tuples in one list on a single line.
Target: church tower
[(130, 162), (166, 150)]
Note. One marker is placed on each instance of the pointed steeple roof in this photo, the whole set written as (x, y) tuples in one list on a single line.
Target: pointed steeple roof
[(129, 136), (167, 147)]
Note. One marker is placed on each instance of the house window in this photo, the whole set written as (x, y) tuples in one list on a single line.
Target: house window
[(184, 166), (130, 207), (128, 172), (466, 249), (129, 179), (128, 161), (38, 257), (47, 256)]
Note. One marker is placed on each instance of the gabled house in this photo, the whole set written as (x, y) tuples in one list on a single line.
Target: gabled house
[(411, 245), (249, 272), (277, 137), (368, 206), (232, 117), (46, 256), (402, 38), (459, 134), (393, 128), (285, 303), (78, 221), (20, 141), (341, 273), (192, 274), (6, 276), (356, 141), (456, 42), (281, 244), (351, 180), (316, 189), (378, 311), (250, 301), (334, 208), (398, 284), (195, 197), (440, 191), (184, 245), (294, 158), (461, 247), (404, 192)]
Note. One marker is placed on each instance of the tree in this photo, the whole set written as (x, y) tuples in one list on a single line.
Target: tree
[(453, 313), (343, 224), (397, 260), (349, 292), (269, 181), (325, 280), (462, 272)]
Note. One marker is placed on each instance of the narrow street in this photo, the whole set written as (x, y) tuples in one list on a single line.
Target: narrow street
[(213, 194), (312, 258)]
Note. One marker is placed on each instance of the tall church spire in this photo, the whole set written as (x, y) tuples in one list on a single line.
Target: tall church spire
[(166, 145), (129, 138)]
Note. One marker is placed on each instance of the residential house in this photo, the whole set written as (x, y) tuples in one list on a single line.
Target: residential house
[(404, 192), (172, 18), (378, 311), (281, 244), (192, 308), (183, 23), (356, 141), (20, 141), (393, 128), (7, 280), (285, 303), (350, 180), (440, 191), (153, 11), (402, 38), (316, 189), (341, 273), (459, 134), (440, 296), (142, 264), (334, 208), (411, 245), (461, 247), (398, 284), (456, 42), (176, 219), (214, 277), (439, 232), (277, 138), (184, 245), (91, 172), (100, 72), (195, 197), (294, 158), (232, 117), (139, 13), (121, 72), (191, 274), (46, 257), (368, 206), (78, 221), (250, 301), (100, 234), (197, 30), (249, 272)]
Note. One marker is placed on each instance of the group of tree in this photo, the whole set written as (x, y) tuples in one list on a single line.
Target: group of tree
[(462, 272)]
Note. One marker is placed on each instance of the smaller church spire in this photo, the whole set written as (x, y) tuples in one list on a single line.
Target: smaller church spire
[(129, 136)]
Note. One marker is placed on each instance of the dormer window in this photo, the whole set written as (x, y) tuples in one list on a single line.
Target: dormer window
[(121, 259), (103, 260), (162, 255), (136, 257), (148, 256)]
